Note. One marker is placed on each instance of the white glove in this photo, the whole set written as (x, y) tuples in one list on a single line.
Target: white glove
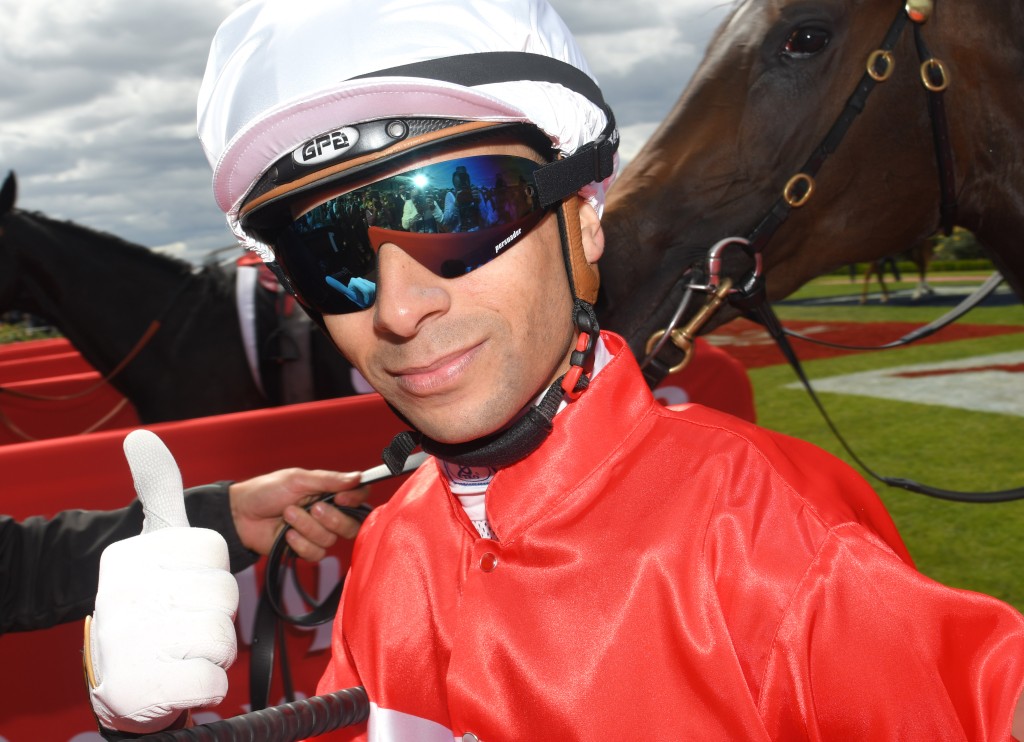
[(163, 634)]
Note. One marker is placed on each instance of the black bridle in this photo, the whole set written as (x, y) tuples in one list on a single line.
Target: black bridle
[(749, 295)]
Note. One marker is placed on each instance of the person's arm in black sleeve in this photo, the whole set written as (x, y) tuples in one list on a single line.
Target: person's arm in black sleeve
[(208, 506), (49, 567)]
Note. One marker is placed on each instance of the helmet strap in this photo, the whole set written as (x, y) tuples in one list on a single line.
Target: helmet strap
[(499, 449), (583, 277), (583, 284)]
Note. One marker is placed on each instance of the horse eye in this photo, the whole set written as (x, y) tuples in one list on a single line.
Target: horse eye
[(806, 41)]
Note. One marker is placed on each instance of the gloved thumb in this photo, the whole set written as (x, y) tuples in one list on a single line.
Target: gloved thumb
[(157, 481), (163, 633)]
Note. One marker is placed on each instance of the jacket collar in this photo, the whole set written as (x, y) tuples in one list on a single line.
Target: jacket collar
[(585, 435)]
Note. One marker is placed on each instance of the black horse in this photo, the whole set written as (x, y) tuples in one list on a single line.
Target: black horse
[(176, 326)]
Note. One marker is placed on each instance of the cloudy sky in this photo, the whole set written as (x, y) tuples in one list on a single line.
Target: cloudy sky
[(97, 102)]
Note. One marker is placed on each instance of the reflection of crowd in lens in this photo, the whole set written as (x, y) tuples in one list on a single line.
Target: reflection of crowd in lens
[(398, 204)]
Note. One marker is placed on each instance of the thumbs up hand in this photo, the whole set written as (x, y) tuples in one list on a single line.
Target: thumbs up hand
[(162, 635)]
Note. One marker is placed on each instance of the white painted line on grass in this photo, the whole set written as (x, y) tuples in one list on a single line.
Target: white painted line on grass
[(993, 383)]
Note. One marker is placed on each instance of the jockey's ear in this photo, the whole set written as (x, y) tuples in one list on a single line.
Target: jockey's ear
[(593, 234)]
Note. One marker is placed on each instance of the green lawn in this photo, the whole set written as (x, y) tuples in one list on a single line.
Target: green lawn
[(17, 333), (973, 546)]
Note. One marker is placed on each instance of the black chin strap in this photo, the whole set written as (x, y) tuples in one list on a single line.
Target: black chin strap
[(524, 435), (499, 449)]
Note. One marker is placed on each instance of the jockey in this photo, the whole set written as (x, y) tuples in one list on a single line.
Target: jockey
[(575, 561)]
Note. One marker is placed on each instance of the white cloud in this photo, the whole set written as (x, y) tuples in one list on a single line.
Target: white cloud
[(98, 105), (98, 99), (633, 138)]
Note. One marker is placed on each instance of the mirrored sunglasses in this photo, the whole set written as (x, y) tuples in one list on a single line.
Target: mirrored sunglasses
[(451, 217)]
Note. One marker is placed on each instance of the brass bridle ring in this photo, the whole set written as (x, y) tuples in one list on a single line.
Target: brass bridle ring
[(931, 65), (679, 340), (885, 56), (789, 192)]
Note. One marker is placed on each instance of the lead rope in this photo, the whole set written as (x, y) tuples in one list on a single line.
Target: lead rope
[(141, 343), (967, 304), (766, 316), (20, 433), (271, 615)]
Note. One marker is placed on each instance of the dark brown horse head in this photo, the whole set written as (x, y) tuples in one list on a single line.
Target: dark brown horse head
[(8, 194), (776, 78), (166, 335)]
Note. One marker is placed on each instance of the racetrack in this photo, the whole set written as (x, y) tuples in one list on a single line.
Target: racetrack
[(753, 346)]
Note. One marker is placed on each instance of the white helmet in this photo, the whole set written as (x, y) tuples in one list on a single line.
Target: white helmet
[(281, 72), (301, 93)]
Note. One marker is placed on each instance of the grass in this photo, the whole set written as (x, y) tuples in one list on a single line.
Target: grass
[(972, 546), (15, 333)]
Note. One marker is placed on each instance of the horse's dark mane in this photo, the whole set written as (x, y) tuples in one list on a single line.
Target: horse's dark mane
[(218, 277), (97, 234), (213, 279)]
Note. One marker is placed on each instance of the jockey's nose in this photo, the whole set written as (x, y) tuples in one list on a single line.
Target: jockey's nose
[(407, 293)]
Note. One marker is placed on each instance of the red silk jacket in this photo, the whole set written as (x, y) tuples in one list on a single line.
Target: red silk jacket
[(667, 575)]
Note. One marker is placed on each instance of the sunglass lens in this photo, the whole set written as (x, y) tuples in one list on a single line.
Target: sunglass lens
[(332, 267), (451, 217)]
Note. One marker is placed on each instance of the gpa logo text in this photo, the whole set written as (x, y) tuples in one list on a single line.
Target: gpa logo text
[(326, 147)]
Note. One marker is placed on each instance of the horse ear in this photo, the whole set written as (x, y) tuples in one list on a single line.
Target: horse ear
[(7, 194)]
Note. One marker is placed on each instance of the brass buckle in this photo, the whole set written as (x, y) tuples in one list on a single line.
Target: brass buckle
[(929, 65), (881, 55), (683, 338), (790, 193)]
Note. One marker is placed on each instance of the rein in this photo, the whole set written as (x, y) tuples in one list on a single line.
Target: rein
[(140, 344), (271, 614), (750, 297), (136, 349)]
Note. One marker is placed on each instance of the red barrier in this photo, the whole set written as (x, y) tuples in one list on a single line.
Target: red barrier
[(26, 419), (42, 691), (42, 367), (713, 378), (29, 348), (42, 687)]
